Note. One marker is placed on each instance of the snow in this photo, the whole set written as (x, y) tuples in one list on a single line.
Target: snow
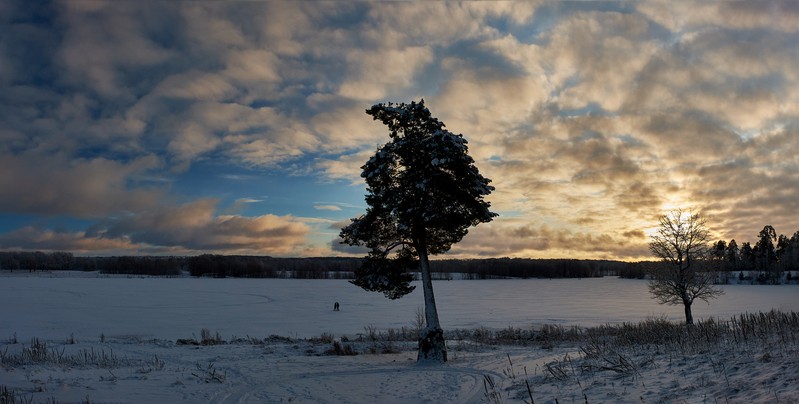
[(138, 320)]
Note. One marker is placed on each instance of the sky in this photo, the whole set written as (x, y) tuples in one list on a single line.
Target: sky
[(239, 127)]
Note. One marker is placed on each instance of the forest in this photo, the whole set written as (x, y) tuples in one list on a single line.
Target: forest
[(772, 259)]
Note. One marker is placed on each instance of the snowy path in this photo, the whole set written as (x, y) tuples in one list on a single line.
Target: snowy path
[(272, 373)]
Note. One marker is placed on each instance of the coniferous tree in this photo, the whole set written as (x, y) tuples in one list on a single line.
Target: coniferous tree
[(794, 252), (732, 256), (423, 194), (717, 255), (783, 251), (766, 256), (747, 257)]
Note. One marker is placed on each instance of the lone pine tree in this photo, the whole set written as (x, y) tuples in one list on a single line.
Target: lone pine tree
[(423, 194)]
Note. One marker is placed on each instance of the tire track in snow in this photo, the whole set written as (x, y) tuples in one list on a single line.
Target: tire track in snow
[(461, 385), (378, 380)]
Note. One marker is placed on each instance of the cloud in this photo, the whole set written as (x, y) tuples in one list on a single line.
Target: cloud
[(99, 43), (39, 239), (591, 118), (511, 239), (376, 73), (756, 188), (194, 85), (333, 208), (52, 185), (744, 15), (344, 126), (195, 226), (191, 228), (346, 167), (592, 56)]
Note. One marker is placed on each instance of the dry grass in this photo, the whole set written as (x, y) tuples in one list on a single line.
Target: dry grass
[(622, 352), (39, 353)]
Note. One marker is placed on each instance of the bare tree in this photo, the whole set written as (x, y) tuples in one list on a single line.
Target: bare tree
[(681, 242)]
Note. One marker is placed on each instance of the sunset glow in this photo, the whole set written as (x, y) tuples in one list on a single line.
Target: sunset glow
[(181, 128)]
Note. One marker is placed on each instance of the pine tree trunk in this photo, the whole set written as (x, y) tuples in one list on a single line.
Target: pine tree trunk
[(431, 338)]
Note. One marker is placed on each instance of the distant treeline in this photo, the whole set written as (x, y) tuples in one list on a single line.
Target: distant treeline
[(64, 261), (487, 268), (343, 268), (245, 266), (239, 266)]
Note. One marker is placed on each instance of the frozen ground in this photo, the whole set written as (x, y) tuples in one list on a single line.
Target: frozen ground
[(113, 339), (57, 305)]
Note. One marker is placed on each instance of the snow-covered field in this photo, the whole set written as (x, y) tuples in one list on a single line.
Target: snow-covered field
[(113, 339)]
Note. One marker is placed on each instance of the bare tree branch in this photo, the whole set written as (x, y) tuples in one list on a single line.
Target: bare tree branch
[(681, 242)]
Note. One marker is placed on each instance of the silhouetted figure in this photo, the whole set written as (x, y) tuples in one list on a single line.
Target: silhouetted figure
[(335, 306)]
